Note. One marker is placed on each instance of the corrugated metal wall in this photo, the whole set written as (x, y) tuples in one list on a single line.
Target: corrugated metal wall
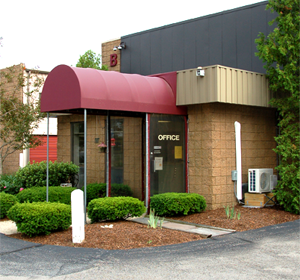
[(226, 38), (222, 84)]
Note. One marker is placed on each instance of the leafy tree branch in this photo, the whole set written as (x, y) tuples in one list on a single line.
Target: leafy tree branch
[(91, 60), (19, 110), (280, 51)]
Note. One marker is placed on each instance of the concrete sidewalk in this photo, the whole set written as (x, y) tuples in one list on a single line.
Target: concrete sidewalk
[(203, 230)]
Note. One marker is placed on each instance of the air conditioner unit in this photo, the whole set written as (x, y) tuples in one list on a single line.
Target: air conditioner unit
[(260, 180)]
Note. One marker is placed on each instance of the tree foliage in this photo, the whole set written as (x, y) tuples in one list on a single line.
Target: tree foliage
[(91, 60), (19, 111), (280, 51)]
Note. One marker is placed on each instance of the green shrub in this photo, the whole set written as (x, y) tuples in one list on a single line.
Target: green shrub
[(40, 218), (171, 204), (6, 202), (94, 190), (97, 190), (38, 194), (288, 197), (35, 175), (120, 190), (114, 208), (9, 184)]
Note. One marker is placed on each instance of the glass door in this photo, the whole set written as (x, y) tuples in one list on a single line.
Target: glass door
[(167, 154)]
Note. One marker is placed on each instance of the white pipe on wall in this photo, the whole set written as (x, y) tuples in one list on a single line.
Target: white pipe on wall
[(238, 153)]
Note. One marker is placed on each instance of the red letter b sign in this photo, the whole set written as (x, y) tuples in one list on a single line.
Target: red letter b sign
[(113, 60)]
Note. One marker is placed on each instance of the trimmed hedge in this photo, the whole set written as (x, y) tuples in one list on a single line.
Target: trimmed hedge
[(34, 175), (6, 202), (40, 218), (171, 204), (98, 190), (38, 194), (114, 208)]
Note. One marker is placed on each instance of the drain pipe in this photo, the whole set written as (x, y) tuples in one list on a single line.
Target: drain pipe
[(238, 153)]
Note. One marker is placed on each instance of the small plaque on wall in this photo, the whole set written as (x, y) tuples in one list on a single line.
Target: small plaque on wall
[(158, 163)]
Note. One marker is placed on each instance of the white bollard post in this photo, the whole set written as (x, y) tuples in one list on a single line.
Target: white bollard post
[(78, 233)]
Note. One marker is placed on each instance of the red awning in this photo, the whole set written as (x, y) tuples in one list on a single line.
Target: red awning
[(67, 88)]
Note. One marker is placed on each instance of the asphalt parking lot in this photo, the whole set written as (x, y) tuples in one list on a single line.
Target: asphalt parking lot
[(268, 253)]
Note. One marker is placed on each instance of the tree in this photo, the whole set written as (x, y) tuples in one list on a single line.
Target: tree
[(91, 60), (280, 50), (19, 111)]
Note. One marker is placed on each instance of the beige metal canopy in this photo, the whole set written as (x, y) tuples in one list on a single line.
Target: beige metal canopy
[(222, 84)]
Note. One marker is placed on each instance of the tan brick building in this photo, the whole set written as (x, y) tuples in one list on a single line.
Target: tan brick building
[(173, 131), (201, 162)]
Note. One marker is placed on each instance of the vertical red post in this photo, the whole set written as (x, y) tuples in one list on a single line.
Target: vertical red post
[(186, 155)]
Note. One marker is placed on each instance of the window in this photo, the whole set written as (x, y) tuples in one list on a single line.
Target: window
[(117, 155)]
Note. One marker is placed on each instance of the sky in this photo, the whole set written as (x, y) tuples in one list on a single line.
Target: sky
[(43, 34)]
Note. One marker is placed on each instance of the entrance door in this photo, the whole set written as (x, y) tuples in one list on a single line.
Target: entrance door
[(167, 154)]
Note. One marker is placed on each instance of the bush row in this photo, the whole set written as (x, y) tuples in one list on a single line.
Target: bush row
[(44, 217), (63, 194), (58, 194)]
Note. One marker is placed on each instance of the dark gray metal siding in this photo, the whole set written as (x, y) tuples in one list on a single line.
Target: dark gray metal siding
[(226, 38)]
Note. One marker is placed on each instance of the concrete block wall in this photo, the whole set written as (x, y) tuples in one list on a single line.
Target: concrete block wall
[(211, 147), (107, 50), (133, 155)]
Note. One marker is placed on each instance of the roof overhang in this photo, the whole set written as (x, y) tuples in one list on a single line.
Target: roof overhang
[(70, 88)]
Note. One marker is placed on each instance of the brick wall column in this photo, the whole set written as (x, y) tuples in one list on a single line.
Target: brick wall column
[(211, 147)]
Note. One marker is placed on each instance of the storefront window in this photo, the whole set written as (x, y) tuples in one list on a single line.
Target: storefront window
[(116, 150), (77, 134), (167, 154)]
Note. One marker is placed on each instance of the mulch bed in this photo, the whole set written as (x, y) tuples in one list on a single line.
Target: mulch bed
[(129, 235)]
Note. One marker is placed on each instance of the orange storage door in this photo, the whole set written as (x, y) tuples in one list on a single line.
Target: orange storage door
[(39, 153)]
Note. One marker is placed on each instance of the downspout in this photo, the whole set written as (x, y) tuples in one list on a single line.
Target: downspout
[(186, 131), (238, 153)]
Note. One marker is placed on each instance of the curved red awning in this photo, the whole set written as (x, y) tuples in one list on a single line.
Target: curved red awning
[(67, 88)]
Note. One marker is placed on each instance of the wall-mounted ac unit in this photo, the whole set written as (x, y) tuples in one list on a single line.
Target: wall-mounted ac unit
[(260, 180)]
